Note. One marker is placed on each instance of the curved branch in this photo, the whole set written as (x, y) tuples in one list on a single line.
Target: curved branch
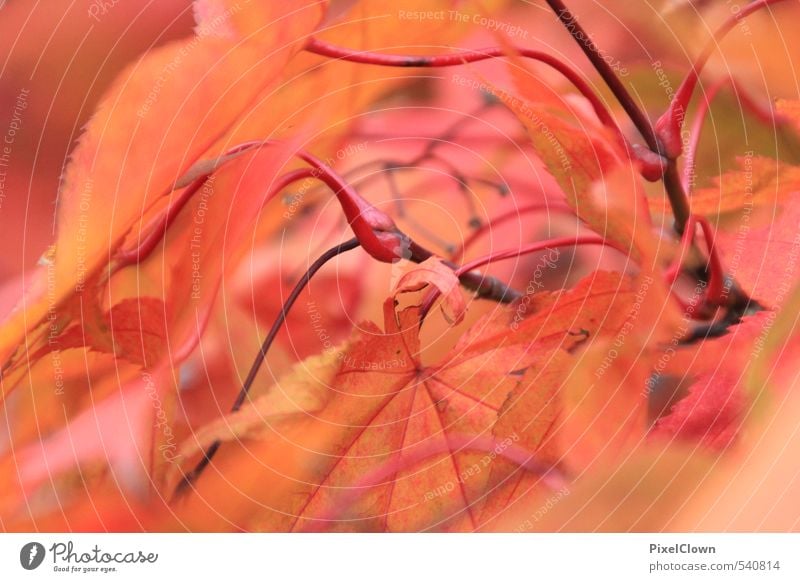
[(190, 477), (669, 125), (764, 114), (589, 48), (458, 254), (326, 49)]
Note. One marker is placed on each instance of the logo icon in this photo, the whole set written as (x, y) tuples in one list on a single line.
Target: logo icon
[(31, 555)]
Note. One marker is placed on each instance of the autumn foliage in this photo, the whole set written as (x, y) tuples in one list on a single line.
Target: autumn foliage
[(439, 266)]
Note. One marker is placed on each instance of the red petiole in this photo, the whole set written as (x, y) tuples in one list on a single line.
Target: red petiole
[(500, 219), (326, 49), (763, 113), (669, 125), (716, 276), (157, 229), (376, 232), (651, 167), (538, 246), (535, 247)]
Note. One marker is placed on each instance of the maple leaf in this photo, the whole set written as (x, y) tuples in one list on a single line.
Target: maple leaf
[(103, 183), (678, 487), (133, 329), (384, 405), (577, 156), (122, 433), (139, 328), (711, 414), (752, 255), (118, 365)]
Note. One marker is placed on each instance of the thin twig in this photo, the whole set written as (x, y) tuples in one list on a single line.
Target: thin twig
[(190, 477)]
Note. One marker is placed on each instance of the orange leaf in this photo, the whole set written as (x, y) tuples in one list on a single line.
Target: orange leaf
[(758, 182), (123, 432), (148, 127), (386, 409)]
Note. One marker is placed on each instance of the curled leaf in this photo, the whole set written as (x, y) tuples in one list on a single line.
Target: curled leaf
[(433, 272)]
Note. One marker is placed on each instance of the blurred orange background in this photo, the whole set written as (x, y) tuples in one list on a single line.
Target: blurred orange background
[(60, 56)]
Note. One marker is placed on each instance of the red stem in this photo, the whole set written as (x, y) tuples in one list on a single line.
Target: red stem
[(678, 200), (458, 254), (374, 229), (652, 165), (714, 294), (764, 114), (567, 241), (716, 277), (669, 125), (326, 49), (157, 229), (687, 239), (463, 270), (190, 477)]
